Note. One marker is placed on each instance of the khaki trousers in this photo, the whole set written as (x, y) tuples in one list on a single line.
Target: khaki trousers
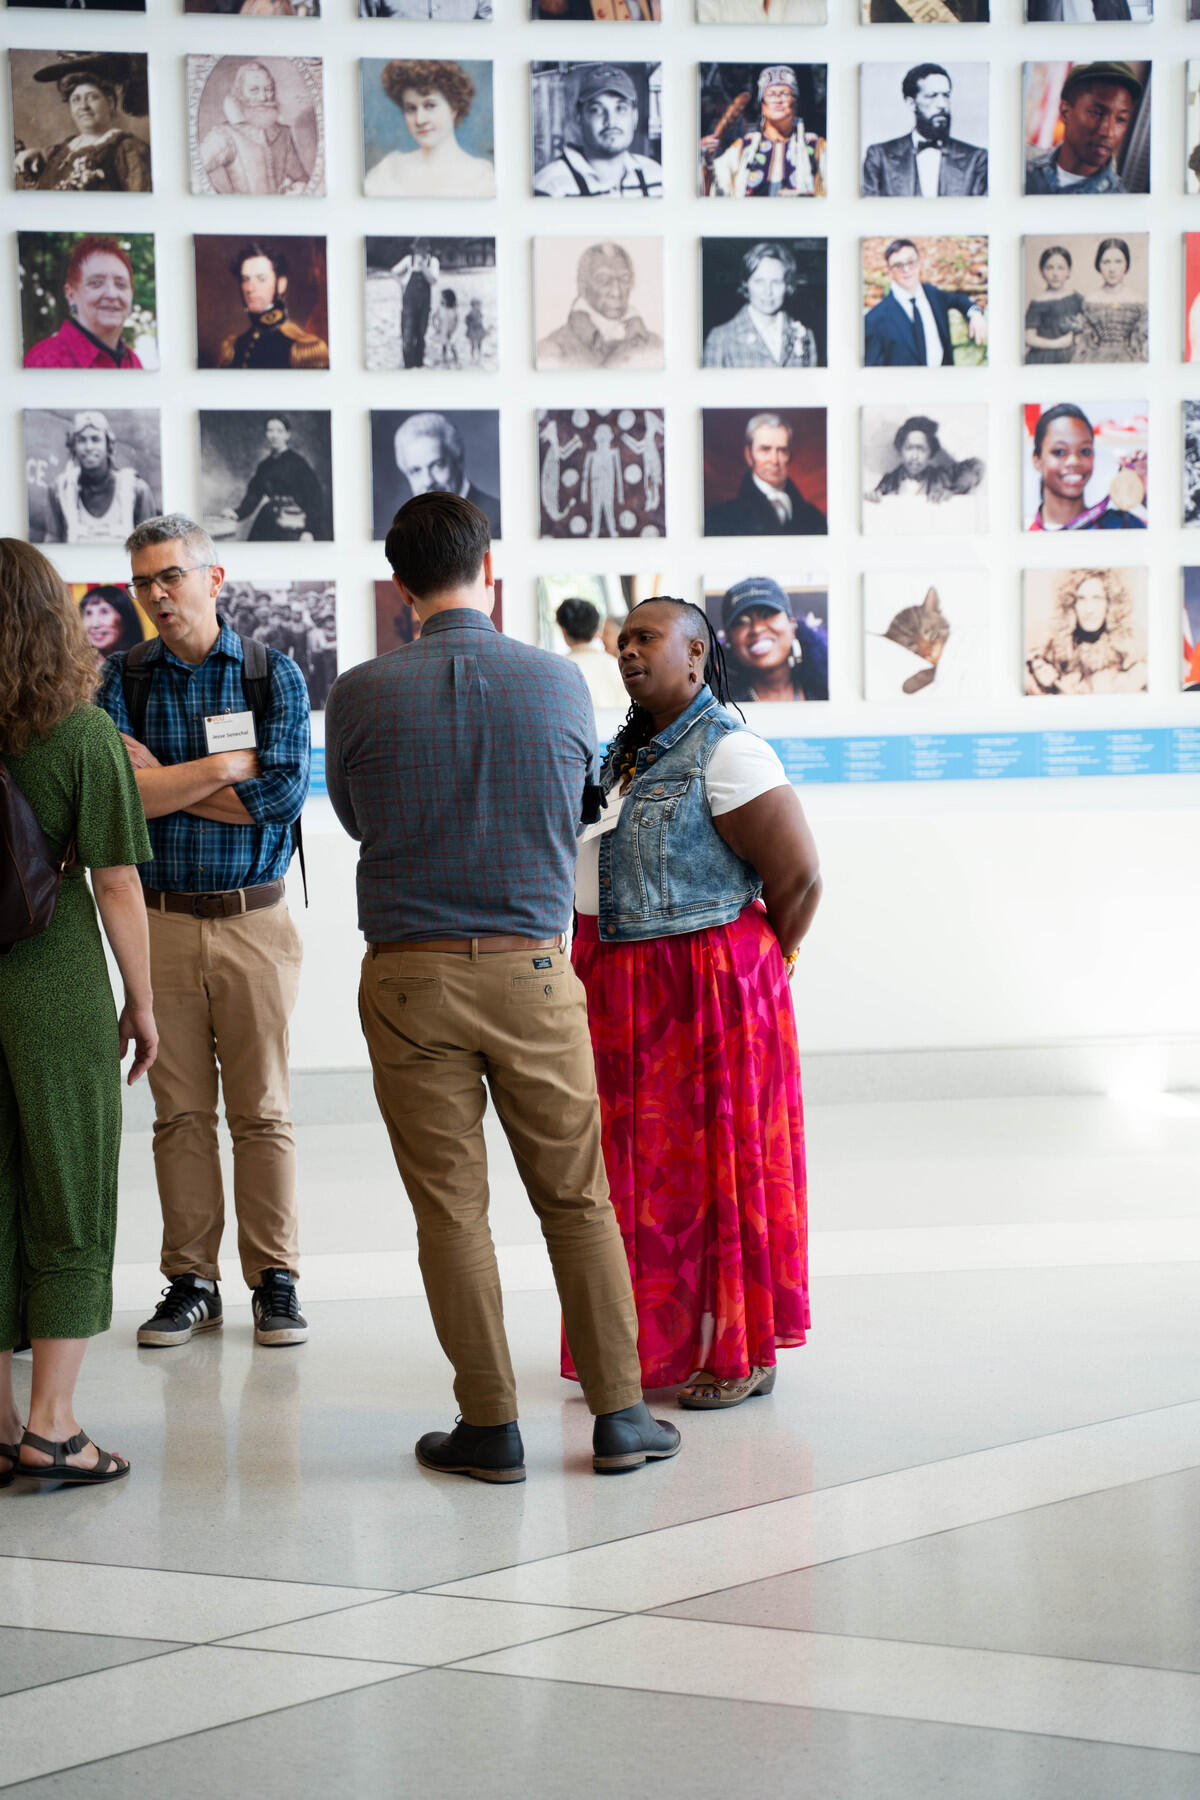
[(224, 990), (438, 1025)]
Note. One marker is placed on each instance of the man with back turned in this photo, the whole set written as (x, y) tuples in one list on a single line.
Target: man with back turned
[(459, 763)]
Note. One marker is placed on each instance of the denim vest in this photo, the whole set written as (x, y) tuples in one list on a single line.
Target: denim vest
[(664, 867)]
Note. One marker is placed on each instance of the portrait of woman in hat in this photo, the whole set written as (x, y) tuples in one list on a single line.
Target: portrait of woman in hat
[(763, 130), (103, 93)]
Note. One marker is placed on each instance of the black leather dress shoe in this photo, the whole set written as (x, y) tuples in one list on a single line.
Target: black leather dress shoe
[(485, 1452), (628, 1439)]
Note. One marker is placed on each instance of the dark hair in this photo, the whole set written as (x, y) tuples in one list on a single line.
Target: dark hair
[(1065, 410), (914, 78), (760, 253), (927, 427), (449, 297), (436, 542), (809, 672), (280, 418), (118, 598), (449, 79), (1113, 244), (276, 259), (1054, 250), (637, 727), (899, 244), (578, 620)]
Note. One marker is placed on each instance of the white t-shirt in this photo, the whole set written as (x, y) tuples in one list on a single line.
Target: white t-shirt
[(741, 768)]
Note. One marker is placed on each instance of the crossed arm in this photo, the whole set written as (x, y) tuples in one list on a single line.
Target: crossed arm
[(203, 788)]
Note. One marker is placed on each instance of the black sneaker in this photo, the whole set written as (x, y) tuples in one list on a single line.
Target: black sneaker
[(183, 1309), (277, 1315)]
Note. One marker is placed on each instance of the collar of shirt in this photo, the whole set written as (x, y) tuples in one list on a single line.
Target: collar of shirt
[(613, 331), (778, 497), (228, 644), (100, 351), (464, 618), (923, 143)]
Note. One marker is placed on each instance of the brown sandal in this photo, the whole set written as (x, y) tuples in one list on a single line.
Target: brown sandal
[(108, 1468), (705, 1393)]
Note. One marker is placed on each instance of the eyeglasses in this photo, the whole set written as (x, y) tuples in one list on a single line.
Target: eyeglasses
[(142, 586)]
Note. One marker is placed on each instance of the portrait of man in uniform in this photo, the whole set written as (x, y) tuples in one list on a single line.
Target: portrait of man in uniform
[(762, 130), (91, 476), (924, 159), (611, 295), (597, 131), (245, 290), (256, 125)]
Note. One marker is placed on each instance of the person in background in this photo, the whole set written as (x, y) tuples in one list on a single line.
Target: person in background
[(1098, 104), (222, 945), (61, 1040), (698, 881), (466, 978), (579, 622), (98, 285), (110, 620)]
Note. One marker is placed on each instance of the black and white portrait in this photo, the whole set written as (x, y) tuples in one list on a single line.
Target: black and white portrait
[(597, 303), (261, 303), (261, 9), (762, 130), (297, 618), (597, 130), (91, 476), (760, 12), (431, 303), (924, 473), (1191, 464), (434, 453), (763, 303), (81, 121), (764, 472), (926, 635), (601, 473), (1089, 12), (83, 5), (267, 476), (924, 129), (256, 125), (452, 12)]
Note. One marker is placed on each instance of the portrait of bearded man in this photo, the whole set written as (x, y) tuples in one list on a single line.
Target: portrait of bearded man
[(247, 143)]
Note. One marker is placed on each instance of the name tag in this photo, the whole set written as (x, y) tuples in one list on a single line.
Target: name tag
[(230, 731)]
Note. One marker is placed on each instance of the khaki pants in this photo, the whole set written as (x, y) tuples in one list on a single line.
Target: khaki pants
[(224, 990), (438, 1024)]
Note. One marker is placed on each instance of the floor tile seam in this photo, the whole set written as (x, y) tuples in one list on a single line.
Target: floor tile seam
[(203, 1574), (622, 1612), (837, 1487), (333, 1612), (128, 1662), (543, 1637)]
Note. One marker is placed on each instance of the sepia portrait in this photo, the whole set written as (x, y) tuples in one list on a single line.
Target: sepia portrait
[(1085, 299), (926, 635), (87, 301), (261, 303), (431, 303), (762, 130), (1086, 467), (91, 476), (396, 623), (775, 637), (923, 474), (297, 618), (81, 121), (924, 129), (925, 302), (1191, 464), (1087, 128), (434, 453), (764, 472), (597, 305), (267, 477), (601, 473), (256, 125), (427, 129), (1086, 631), (763, 303), (761, 12), (597, 130)]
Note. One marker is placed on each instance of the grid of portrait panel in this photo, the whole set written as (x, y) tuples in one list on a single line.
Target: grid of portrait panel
[(257, 126)]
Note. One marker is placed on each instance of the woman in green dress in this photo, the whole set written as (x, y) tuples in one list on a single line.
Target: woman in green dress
[(61, 1042)]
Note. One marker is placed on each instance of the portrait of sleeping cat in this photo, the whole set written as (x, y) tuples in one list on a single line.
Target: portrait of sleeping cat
[(924, 630)]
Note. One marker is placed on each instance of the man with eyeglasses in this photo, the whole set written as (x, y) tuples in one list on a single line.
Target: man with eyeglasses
[(910, 327), (217, 728)]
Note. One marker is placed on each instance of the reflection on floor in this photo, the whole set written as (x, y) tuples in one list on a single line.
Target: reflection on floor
[(953, 1554)]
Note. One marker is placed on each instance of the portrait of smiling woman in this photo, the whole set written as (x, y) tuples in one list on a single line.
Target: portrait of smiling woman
[(776, 643), (103, 93), (443, 108), (97, 291)]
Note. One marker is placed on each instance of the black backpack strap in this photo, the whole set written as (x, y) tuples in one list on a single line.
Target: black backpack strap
[(137, 674), (256, 685)]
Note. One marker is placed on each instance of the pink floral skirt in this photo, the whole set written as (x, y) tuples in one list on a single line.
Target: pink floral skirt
[(699, 1076)]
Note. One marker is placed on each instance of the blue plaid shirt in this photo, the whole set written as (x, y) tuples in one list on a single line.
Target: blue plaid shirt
[(200, 856)]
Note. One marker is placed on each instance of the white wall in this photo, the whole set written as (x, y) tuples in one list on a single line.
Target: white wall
[(1001, 914)]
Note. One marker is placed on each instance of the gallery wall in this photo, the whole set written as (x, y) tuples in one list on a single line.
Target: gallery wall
[(958, 913)]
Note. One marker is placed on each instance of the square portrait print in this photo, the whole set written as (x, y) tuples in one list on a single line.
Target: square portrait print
[(1086, 631), (925, 302), (256, 125), (261, 303), (1085, 298), (926, 635), (1087, 128), (601, 473), (597, 130), (88, 300), (775, 635), (434, 453), (925, 12), (923, 129), (1190, 673), (1086, 465), (431, 303), (924, 473), (297, 618), (267, 476), (764, 472), (427, 129), (81, 121), (763, 303), (91, 475), (597, 303), (762, 130)]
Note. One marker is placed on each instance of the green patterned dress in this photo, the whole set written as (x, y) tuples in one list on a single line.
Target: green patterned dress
[(60, 1078)]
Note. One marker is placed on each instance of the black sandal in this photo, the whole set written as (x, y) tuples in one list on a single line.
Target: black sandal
[(11, 1451), (108, 1468)]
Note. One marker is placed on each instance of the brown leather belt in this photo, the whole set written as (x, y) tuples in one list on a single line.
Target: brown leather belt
[(477, 946), (230, 904)]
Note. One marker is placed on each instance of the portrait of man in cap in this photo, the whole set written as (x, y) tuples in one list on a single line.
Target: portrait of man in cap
[(612, 293), (763, 130), (82, 488), (1080, 147), (256, 271), (256, 125), (593, 112), (925, 160), (100, 102)]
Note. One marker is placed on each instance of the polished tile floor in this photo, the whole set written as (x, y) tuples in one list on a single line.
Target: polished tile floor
[(953, 1554)]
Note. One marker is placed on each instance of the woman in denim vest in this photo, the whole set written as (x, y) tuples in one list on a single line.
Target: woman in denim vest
[(694, 890)]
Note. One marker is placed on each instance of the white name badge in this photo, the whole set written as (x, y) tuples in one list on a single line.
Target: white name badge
[(230, 731)]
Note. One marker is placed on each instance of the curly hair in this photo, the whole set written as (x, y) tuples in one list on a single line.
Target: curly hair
[(447, 78), (928, 429), (47, 667), (1118, 620)]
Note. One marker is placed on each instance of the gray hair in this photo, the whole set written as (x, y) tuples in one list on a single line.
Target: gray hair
[(767, 422), (169, 528), (253, 62), (434, 425)]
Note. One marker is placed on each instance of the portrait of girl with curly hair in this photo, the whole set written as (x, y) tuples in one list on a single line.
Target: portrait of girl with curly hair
[(1085, 631), (427, 129)]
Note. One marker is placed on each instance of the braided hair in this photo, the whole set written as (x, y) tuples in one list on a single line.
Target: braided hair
[(637, 727)]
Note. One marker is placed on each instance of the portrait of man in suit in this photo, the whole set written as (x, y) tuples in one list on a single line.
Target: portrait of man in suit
[(768, 502), (435, 453), (910, 326), (924, 160)]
